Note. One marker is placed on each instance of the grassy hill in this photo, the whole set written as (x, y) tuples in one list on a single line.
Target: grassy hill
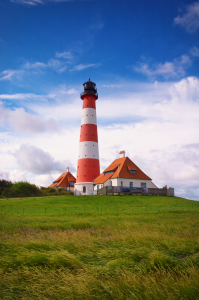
[(99, 247)]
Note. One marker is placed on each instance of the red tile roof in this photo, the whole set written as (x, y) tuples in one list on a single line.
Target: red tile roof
[(124, 165), (63, 180)]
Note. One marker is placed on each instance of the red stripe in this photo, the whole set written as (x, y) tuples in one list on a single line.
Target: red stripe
[(88, 132), (88, 169), (89, 102)]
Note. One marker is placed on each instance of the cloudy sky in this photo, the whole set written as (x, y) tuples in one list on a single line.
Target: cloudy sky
[(143, 56)]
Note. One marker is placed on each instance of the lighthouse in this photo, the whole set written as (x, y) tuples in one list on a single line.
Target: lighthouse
[(88, 168)]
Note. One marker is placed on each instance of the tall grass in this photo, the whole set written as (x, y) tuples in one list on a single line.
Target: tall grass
[(98, 247)]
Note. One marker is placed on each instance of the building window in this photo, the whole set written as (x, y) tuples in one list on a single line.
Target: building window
[(98, 186), (71, 182), (131, 184), (143, 184), (108, 172), (121, 183), (84, 189), (111, 183), (132, 171)]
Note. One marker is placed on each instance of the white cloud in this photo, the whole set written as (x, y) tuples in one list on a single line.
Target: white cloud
[(195, 52), (21, 121), (37, 65), (190, 19), (37, 161), (35, 2), (81, 67), (167, 70), (53, 63), (44, 180), (65, 54), (16, 175), (28, 2), (13, 175), (24, 96), (11, 74), (112, 85), (60, 64), (72, 92)]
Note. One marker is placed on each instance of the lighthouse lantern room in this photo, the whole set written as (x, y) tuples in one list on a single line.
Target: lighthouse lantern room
[(88, 168)]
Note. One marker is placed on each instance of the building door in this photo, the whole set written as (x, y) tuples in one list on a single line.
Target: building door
[(84, 189)]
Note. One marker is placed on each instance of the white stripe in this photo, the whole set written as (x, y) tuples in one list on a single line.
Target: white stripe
[(89, 116), (88, 150)]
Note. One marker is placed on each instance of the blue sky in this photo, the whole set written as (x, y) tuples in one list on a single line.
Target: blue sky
[(144, 58)]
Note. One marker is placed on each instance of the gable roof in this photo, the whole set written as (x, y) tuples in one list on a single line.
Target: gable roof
[(121, 167), (62, 180)]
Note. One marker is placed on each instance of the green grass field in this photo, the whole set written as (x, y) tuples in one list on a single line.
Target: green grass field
[(99, 247)]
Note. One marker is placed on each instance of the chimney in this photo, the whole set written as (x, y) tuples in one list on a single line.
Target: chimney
[(122, 153), (67, 169)]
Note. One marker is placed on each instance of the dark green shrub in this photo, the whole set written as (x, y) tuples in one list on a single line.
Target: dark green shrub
[(4, 184), (51, 190), (23, 189)]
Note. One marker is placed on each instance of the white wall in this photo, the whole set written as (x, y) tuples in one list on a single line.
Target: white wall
[(126, 183), (78, 189)]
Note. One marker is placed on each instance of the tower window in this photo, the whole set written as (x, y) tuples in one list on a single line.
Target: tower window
[(84, 189)]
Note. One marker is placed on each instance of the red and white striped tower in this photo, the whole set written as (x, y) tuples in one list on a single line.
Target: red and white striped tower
[(88, 168)]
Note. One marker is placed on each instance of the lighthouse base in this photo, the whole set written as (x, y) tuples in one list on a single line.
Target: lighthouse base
[(84, 188)]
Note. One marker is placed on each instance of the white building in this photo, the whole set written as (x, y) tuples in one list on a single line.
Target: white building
[(123, 172)]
